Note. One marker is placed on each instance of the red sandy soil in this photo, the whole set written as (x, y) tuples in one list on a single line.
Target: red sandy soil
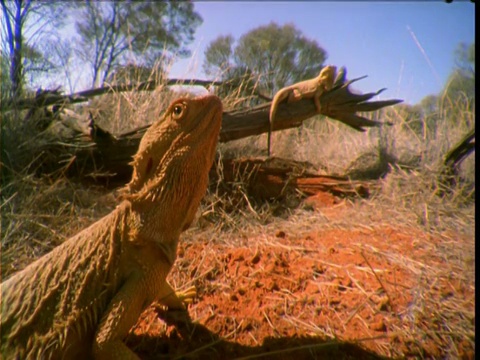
[(304, 296)]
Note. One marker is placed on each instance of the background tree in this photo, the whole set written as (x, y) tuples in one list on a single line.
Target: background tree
[(67, 63), (413, 117), (456, 98), (5, 79), (219, 55), (26, 25), (130, 73), (465, 60), (459, 92), (429, 108), (120, 32), (273, 56), (429, 104)]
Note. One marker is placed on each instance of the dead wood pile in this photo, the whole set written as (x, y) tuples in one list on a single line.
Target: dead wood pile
[(76, 146), (79, 147), (275, 178)]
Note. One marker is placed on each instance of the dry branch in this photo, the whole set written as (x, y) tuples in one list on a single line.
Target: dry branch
[(454, 157), (459, 152), (47, 97)]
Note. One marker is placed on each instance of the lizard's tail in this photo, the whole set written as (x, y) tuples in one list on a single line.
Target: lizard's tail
[(277, 99), (273, 111)]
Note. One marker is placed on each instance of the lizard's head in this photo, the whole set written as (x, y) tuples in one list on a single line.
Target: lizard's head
[(327, 77), (176, 154)]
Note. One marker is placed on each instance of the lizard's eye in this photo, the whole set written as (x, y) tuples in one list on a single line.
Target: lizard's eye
[(178, 111)]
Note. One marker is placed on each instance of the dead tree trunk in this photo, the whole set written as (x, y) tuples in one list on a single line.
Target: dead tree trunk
[(99, 154)]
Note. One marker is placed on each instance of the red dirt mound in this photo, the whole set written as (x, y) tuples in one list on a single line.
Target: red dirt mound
[(336, 293)]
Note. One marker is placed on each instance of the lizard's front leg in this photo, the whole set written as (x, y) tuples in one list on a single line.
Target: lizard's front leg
[(316, 100), (121, 314), (295, 95)]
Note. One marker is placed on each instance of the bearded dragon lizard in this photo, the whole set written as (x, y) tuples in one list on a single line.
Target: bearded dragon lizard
[(80, 300), (312, 88)]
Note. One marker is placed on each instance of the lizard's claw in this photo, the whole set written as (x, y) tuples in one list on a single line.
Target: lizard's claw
[(176, 300), (187, 296), (176, 304)]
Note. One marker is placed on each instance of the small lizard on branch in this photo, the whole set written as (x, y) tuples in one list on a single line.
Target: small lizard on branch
[(81, 299), (312, 88)]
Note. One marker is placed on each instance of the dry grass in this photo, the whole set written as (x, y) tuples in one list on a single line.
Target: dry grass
[(126, 111), (37, 214), (408, 200)]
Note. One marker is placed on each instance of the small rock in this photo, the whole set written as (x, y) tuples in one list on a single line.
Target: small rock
[(273, 287), (312, 288), (378, 326), (382, 302), (320, 200), (246, 326), (241, 291), (319, 269), (258, 284), (339, 285), (270, 268), (334, 301), (255, 259)]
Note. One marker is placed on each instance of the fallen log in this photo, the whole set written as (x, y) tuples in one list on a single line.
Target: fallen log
[(275, 178), (86, 150)]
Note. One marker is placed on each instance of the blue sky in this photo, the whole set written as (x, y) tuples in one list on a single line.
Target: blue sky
[(369, 38)]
